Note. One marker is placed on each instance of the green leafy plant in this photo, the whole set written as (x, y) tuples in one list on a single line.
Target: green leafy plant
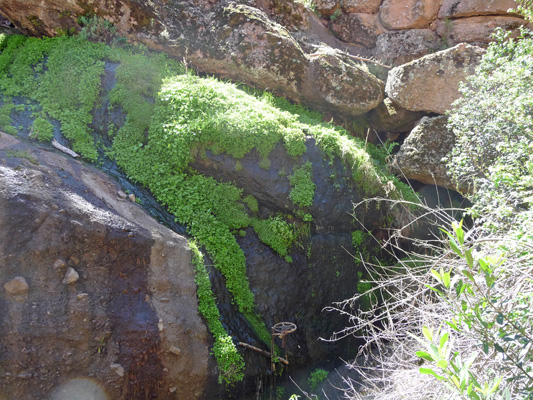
[(303, 187), (317, 377), (42, 130)]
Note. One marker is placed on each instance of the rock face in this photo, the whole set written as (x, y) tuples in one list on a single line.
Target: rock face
[(398, 48), (357, 28), (469, 8), (423, 154), (431, 83), (110, 331), (408, 14), (477, 30)]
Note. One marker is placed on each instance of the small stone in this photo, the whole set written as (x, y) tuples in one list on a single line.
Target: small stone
[(59, 264), (160, 325), (16, 286), (55, 207), (71, 276), (175, 350), (121, 194), (132, 197), (75, 260), (83, 296), (164, 300), (173, 389), (119, 369)]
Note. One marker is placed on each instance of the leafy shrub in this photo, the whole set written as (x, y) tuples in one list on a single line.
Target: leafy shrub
[(317, 377), (493, 128), (42, 130)]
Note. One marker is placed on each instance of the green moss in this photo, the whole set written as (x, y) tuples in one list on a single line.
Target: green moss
[(303, 188), (66, 89), (5, 117), (42, 130), (22, 154), (229, 361), (252, 203), (276, 233)]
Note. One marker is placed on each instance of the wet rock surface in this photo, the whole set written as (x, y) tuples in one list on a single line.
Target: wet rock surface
[(97, 268)]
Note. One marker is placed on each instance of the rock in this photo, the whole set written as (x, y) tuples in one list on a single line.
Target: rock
[(290, 14), (75, 260), (71, 276), (355, 90), (477, 30), (408, 14), (95, 224), (132, 197), (423, 154), (357, 28), (17, 286), (388, 117), (431, 83), (60, 264), (119, 369), (326, 8), (175, 350), (361, 6), (121, 194), (470, 8), (396, 48)]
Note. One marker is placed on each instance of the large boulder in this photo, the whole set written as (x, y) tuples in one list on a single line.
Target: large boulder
[(361, 6), (423, 155), (396, 48), (477, 30), (97, 294), (227, 39), (408, 14), (469, 8), (357, 28), (431, 83)]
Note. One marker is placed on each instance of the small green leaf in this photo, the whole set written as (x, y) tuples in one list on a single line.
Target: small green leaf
[(436, 275), (455, 247), (424, 355), (428, 333), (469, 258), (442, 364), (429, 371), (499, 319), (444, 339)]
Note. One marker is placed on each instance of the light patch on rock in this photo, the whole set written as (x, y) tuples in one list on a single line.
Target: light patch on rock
[(71, 276), (17, 286)]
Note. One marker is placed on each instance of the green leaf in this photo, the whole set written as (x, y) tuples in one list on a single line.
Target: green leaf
[(428, 333), (446, 279), (469, 258), (429, 371), (424, 355), (444, 339), (436, 275), (455, 247), (442, 364), (499, 319)]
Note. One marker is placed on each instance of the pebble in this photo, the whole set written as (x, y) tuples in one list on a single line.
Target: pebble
[(71, 276), (164, 300), (17, 285), (60, 264), (75, 260), (175, 350), (132, 197), (121, 194), (119, 369)]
